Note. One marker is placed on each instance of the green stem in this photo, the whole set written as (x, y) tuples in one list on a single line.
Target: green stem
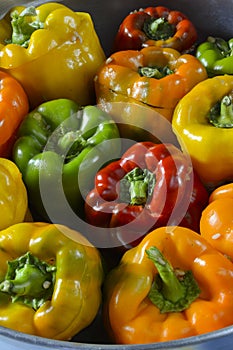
[(29, 280), (137, 186), (158, 29), (71, 144), (221, 114), (222, 45), (23, 26), (155, 72), (230, 42), (172, 290)]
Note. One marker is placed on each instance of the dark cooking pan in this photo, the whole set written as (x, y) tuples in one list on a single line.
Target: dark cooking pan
[(211, 17)]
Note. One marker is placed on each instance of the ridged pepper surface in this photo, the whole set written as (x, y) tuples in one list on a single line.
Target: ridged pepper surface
[(58, 148), (13, 194), (203, 124), (173, 285), (14, 105), (156, 26), (216, 54), (52, 51), (216, 224), (50, 280), (152, 77), (150, 186)]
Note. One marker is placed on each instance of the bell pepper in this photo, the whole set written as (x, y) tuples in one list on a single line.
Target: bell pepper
[(203, 124), (150, 186), (53, 51), (14, 105), (173, 285), (50, 280), (58, 148), (154, 77), (216, 54), (13, 194), (198, 202), (157, 26), (216, 224)]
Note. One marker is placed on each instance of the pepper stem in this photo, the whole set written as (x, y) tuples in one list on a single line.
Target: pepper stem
[(155, 72), (221, 114), (71, 144), (222, 45), (172, 290), (29, 280), (137, 186), (23, 26), (158, 29)]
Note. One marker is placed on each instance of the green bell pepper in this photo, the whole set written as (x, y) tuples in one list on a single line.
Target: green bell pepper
[(58, 150), (216, 54)]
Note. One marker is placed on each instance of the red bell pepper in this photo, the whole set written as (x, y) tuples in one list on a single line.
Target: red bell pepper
[(157, 26), (152, 185)]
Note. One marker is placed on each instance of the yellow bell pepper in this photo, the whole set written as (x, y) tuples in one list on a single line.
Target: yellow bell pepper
[(50, 278), (53, 51), (13, 194), (203, 124)]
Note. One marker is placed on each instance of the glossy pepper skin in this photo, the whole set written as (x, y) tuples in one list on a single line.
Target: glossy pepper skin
[(14, 105), (53, 51), (216, 224), (133, 283), (203, 124), (150, 186), (154, 77), (198, 202), (216, 55), (13, 194), (55, 278), (58, 148), (157, 26)]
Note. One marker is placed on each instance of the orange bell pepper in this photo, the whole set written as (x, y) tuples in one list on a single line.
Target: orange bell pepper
[(153, 76), (216, 224), (173, 285), (14, 106)]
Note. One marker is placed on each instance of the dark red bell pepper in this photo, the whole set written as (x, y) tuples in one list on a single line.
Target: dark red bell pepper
[(198, 201), (152, 185), (157, 26)]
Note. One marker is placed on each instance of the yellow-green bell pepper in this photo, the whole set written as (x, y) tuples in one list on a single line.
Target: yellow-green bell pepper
[(53, 52), (51, 279), (203, 124)]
